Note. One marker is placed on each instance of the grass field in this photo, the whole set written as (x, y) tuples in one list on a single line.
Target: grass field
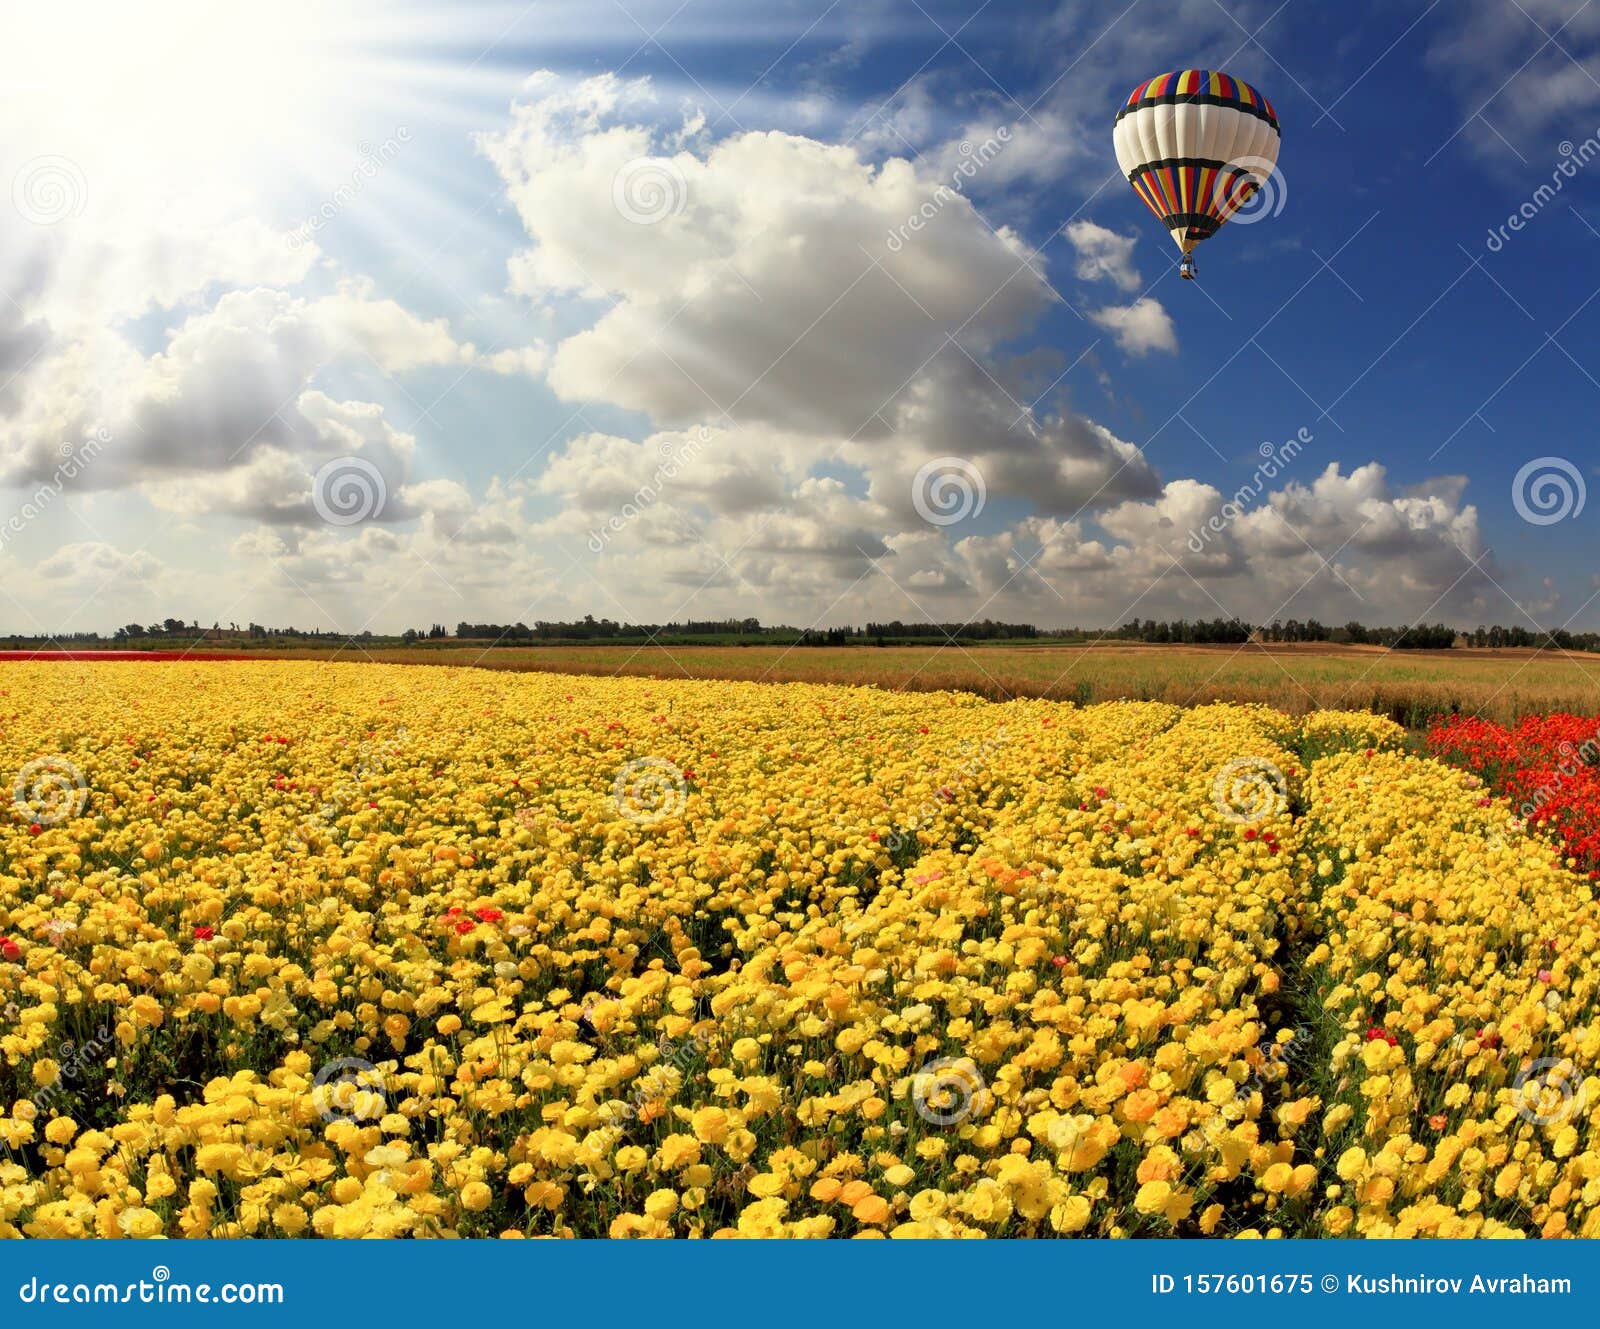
[(1408, 687)]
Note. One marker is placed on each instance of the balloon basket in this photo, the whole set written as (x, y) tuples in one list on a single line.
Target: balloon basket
[(1186, 269)]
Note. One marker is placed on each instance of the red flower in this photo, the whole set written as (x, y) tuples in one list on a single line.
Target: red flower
[(10, 949), (35, 829), (465, 926), (203, 933), (488, 915), (1249, 832), (1060, 961)]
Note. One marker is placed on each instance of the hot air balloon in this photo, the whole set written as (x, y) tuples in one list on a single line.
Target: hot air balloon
[(1196, 146)]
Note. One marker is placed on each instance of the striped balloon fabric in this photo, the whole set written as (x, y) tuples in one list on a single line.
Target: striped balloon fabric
[(1196, 145)]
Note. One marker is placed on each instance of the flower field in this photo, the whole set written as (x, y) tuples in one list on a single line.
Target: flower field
[(356, 950), (1545, 765)]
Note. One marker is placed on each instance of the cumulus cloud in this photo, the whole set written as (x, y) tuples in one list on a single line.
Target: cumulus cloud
[(782, 332), (1103, 254), (223, 417), (779, 263), (1139, 328), (809, 304)]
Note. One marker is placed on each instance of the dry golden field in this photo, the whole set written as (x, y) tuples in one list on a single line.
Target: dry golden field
[(1409, 687)]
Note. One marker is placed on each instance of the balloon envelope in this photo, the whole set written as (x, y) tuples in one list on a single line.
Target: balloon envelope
[(1195, 145)]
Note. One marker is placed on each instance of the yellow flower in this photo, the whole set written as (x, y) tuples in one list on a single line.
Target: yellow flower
[(401, 973), (140, 1223), (290, 1219), (1072, 1214), (1152, 1197), (661, 1204), (710, 1125), (871, 1209)]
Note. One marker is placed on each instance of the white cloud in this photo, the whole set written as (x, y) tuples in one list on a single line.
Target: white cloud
[(807, 304), (1538, 62), (1139, 328), (226, 404), (1103, 254), (771, 272), (797, 325)]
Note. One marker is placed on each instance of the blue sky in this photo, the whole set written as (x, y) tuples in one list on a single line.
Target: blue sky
[(401, 249)]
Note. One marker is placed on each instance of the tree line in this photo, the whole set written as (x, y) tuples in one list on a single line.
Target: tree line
[(1180, 631)]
